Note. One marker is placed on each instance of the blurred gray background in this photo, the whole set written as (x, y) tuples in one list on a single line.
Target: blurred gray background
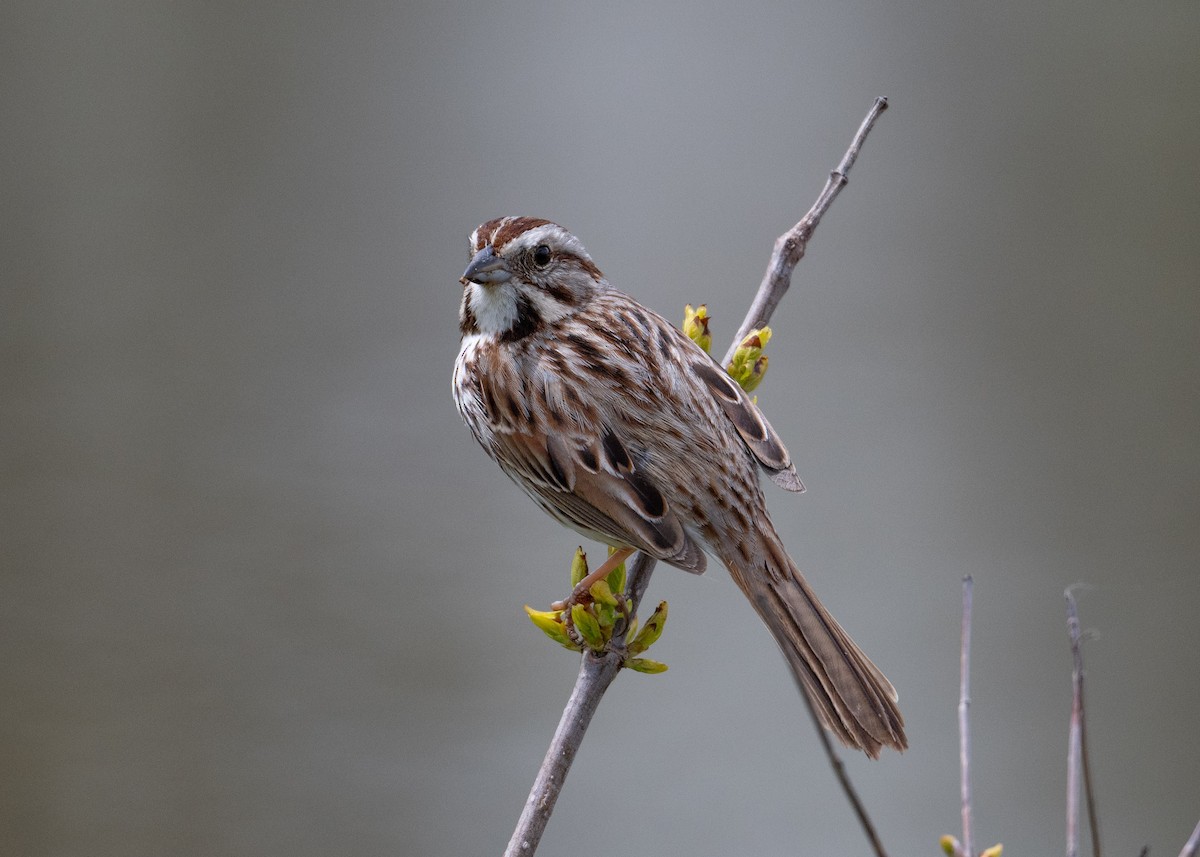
[(261, 591)]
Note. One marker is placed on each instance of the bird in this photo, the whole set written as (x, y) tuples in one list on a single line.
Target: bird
[(620, 427)]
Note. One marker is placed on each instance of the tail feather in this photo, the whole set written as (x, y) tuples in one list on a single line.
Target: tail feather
[(850, 695)]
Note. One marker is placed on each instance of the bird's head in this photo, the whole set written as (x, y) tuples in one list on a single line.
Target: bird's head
[(524, 272)]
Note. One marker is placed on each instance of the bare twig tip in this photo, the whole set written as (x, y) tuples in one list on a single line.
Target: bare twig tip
[(1077, 586)]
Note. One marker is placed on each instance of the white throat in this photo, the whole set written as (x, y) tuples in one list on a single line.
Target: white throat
[(494, 307)]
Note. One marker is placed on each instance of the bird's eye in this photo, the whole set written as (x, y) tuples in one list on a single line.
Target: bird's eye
[(541, 256)]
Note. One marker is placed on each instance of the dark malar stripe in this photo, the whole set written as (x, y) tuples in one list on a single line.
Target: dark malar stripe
[(528, 321)]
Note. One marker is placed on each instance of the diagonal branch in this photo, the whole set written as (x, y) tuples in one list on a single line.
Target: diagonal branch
[(596, 672)]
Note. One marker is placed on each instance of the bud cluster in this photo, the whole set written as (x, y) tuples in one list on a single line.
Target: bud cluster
[(595, 617)]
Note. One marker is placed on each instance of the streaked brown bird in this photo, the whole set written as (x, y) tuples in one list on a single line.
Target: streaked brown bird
[(620, 427)]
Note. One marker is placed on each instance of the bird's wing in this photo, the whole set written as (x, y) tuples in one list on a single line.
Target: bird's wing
[(755, 431), (594, 485)]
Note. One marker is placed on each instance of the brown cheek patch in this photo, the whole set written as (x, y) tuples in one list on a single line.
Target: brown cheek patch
[(558, 291)]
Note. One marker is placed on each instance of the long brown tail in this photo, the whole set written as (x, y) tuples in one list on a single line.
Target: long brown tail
[(850, 695)]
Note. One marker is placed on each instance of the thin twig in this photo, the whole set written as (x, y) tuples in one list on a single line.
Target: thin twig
[(1073, 740), (791, 245), (1077, 748), (839, 769), (1189, 847), (596, 672), (964, 725), (1088, 792)]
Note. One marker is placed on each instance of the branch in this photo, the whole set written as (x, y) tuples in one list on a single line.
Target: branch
[(596, 672), (1077, 750), (791, 245), (1189, 847), (964, 725)]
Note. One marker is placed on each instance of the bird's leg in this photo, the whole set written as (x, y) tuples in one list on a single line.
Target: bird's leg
[(618, 557)]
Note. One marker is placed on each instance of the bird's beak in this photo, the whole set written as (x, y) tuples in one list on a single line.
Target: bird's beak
[(486, 269)]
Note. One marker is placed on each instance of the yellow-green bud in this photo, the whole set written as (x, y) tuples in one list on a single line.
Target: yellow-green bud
[(749, 364), (602, 593), (695, 325), (651, 631), (579, 566), (645, 665), (587, 626), (616, 577), (550, 623)]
